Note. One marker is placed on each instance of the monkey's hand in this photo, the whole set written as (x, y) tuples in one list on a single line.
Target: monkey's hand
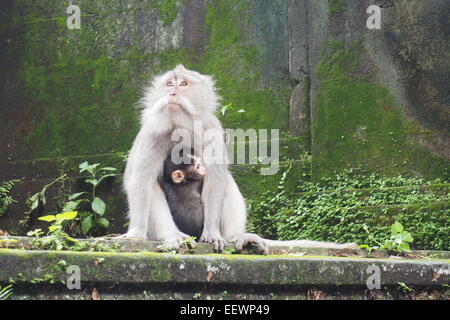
[(216, 239), (250, 238), (176, 240)]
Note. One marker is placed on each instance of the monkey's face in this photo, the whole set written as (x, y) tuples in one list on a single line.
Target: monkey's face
[(182, 90), (195, 171), (179, 89)]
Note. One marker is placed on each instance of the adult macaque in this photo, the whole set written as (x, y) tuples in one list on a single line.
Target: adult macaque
[(185, 100), (179, 99), (182, 185)]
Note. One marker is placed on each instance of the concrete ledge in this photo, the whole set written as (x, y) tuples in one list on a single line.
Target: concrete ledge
[(124, 275), (23, 265), (139, 245), (135, 270)]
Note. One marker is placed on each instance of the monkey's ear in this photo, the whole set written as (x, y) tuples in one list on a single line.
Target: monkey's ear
[(177, 176)]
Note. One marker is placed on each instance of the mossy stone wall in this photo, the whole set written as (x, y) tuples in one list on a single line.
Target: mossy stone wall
[(377, 98), (75, 90)]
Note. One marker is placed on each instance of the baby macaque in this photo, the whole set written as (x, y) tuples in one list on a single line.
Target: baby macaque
[(182, 185)]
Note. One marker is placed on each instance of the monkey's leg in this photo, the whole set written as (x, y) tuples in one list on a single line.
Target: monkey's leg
[(135, 185), (161, 224), (150, 217), (138, 211), (234, 220), (212, 199)]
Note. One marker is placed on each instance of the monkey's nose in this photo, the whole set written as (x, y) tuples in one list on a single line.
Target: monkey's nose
[(172, 94)]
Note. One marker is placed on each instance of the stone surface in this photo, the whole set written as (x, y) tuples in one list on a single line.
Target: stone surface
[(300, 120), (397, 58)]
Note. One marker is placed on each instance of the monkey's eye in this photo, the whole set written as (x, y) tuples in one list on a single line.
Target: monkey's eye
[(170, 84), (183, 83)]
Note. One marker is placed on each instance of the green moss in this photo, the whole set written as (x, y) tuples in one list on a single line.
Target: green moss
[(237, 68), (81, 97), (335, 6), (168, 10), (358, 123)]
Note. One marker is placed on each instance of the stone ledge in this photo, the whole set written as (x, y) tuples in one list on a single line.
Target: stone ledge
[(150, 267), (37, 274), (140, 245)]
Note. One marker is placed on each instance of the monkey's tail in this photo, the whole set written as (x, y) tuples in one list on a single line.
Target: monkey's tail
[(310, 244)]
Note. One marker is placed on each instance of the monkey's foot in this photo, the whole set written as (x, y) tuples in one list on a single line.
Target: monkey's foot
[(250, 238), (216, 239)]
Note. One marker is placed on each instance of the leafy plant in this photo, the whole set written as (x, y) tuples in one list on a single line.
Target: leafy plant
[(39, 198), (94, 217), (405, 288), (5, 292), (57, 239), (5, 198), (398, 241), (337, 207)]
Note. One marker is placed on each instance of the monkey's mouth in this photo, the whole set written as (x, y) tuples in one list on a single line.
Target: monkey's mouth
[(174, 106)]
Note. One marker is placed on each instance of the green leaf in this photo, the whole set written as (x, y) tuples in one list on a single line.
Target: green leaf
[(396, 227), (86, 225), (85, 166), (35, 232), (102, 222), (42, 196), (49, 218), (70, 239), (405, 246), (98, 206), (34, 200), (76, 195), (53, 228), (223, 110), (70, 206), (407, 237), (67, 215), (108, 169), (94, 182), (106, 176)]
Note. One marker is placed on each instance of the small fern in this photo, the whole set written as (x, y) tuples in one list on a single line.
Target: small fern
[(5, 198), (5, 292)]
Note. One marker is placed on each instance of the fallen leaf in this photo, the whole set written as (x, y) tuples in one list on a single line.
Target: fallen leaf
[(3, 233), (95, 295), (315, 294), (436, 276)]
